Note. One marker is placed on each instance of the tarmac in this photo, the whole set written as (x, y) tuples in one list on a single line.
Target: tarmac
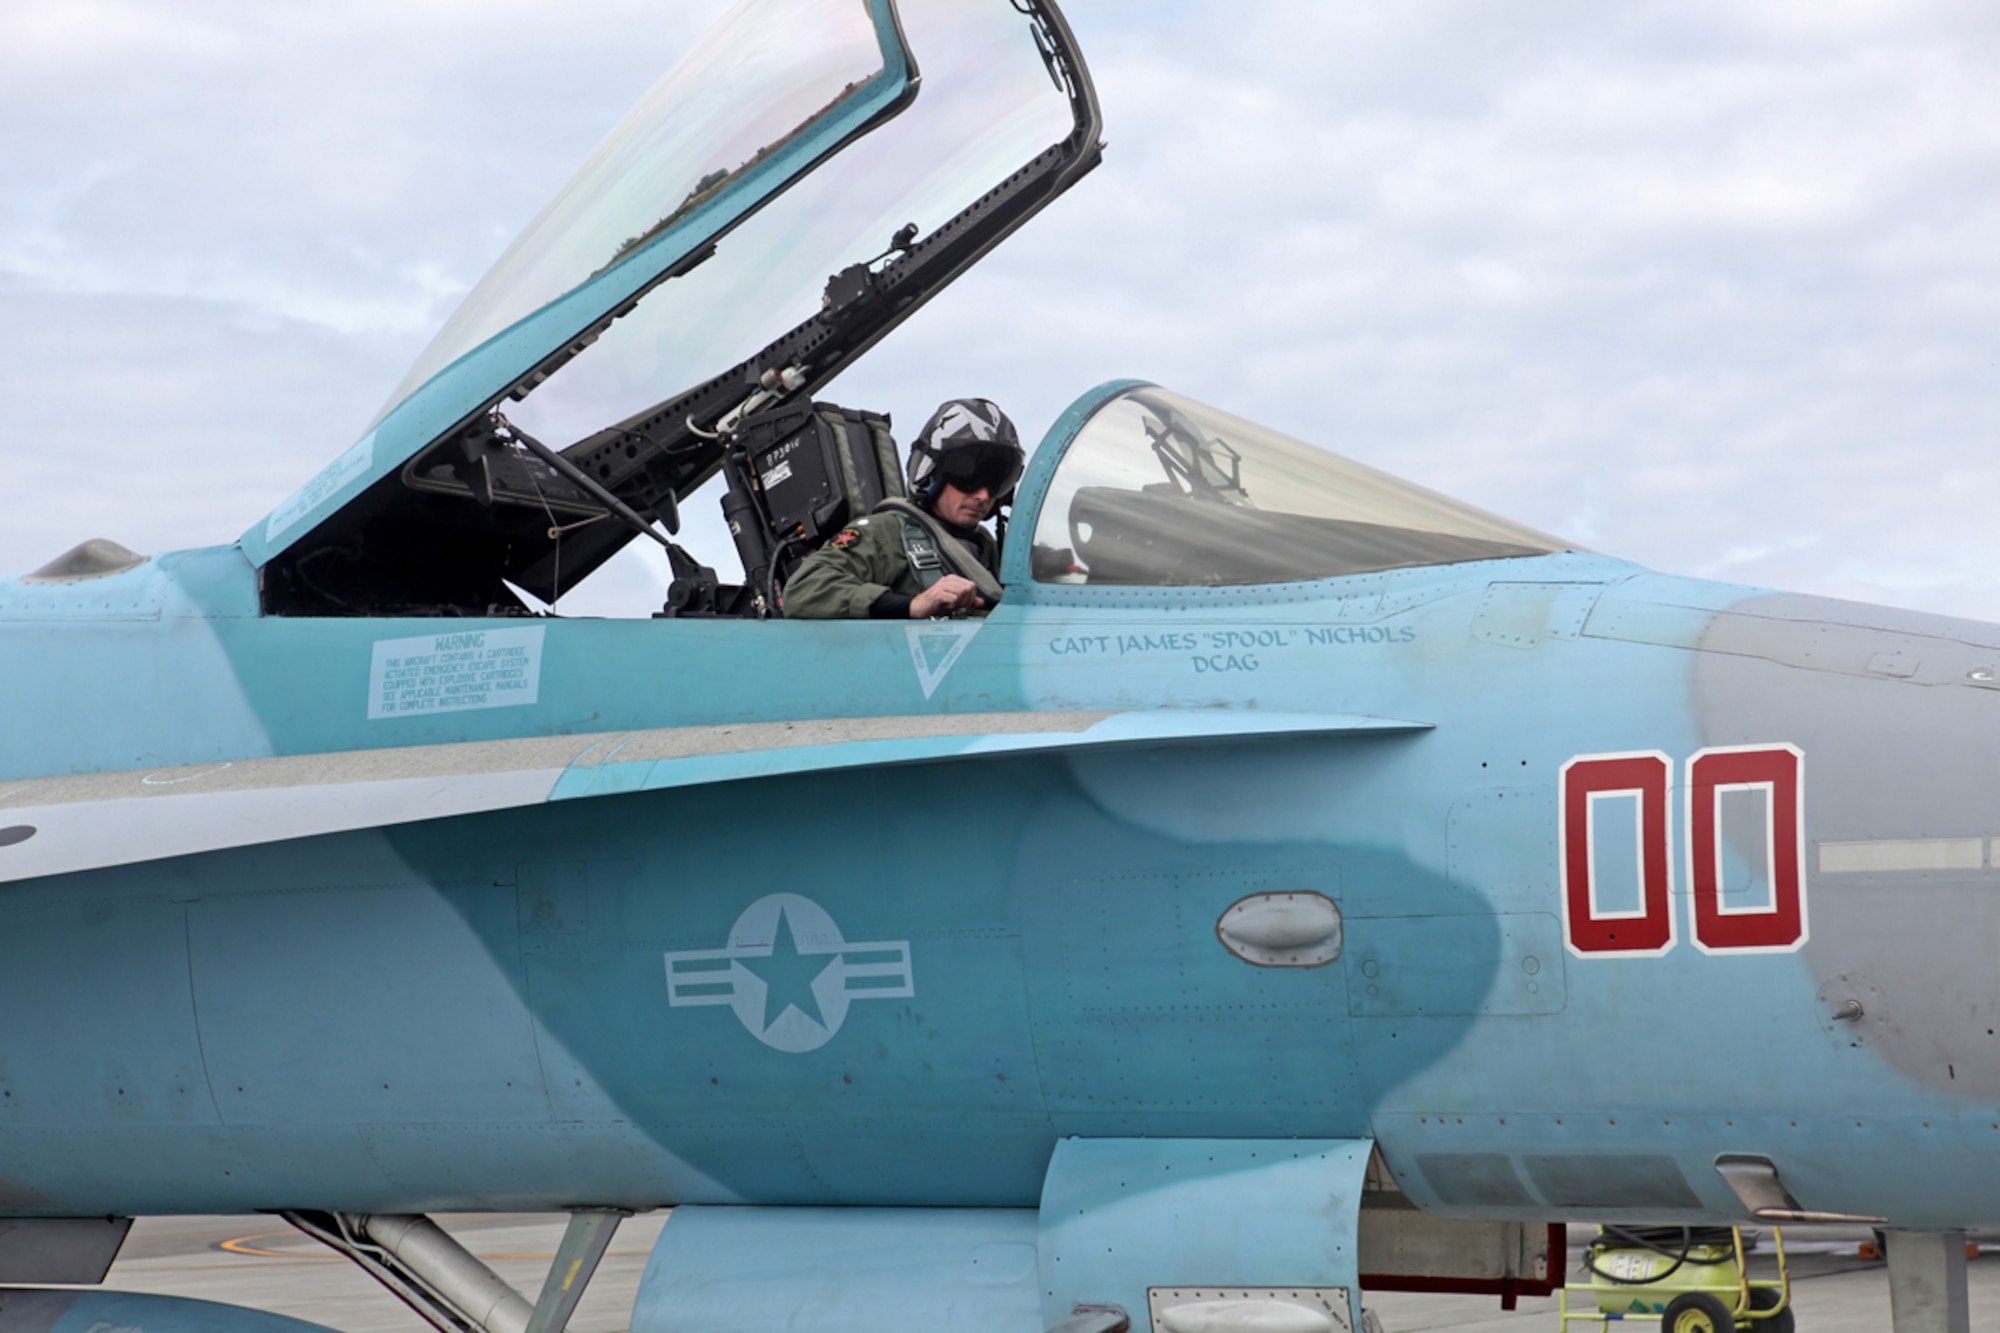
[(259, 1261)]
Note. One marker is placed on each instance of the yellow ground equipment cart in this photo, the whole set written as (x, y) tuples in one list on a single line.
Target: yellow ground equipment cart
[(1690, 1279)]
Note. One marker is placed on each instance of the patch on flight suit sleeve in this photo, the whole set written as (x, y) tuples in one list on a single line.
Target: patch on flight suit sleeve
[(845, 538)]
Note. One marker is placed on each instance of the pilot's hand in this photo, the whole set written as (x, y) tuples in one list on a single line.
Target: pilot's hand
[(951, 593)]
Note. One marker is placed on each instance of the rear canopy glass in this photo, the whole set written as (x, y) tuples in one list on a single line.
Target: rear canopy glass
[(1159, 490), (987, 106), (762, 77)]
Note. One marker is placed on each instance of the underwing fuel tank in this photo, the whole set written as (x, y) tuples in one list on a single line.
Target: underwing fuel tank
[(48, 1310)]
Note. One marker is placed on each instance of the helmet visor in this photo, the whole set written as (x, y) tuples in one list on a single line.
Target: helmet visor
[(973, 467)]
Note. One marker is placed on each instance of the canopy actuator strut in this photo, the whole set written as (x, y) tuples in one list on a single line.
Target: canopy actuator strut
[(598, 491)]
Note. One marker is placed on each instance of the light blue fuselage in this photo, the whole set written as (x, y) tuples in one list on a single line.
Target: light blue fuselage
[(474, 1012)]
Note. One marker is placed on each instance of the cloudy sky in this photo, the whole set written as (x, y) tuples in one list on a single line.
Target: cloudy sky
[(1714, 286)]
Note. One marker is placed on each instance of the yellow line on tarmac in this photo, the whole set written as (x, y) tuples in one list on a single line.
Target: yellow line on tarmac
[(242, 1245)]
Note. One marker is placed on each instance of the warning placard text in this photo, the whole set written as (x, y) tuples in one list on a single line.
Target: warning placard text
[(439, 673)]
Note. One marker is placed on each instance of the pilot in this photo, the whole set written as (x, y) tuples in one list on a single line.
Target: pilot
[(928, 555)]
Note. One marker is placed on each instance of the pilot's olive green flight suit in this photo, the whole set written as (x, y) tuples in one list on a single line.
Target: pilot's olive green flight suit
[(875, 566)]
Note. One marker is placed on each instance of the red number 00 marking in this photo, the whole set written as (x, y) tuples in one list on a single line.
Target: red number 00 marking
[(1775, 770), (1586, 780), (1599, 786)]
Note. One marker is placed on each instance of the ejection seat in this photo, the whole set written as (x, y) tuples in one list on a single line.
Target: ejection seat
[(796, 476)]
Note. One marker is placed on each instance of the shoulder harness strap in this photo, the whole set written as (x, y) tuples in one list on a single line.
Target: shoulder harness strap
[(934, 552)]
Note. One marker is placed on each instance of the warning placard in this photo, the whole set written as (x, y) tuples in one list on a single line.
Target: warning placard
[(437, 673)]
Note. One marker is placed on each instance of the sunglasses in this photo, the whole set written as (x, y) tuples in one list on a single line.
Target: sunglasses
[(991, 467)]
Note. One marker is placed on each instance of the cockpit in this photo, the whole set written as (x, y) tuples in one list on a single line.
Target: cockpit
[(1158, 490), (782, 200)]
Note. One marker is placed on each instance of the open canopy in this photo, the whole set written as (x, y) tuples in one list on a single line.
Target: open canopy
[(683, 244), (727, 128)]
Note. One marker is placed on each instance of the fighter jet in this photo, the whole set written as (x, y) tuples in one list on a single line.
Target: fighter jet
[(1301, 883)]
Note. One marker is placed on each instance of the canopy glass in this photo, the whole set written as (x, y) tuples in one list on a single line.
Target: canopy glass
[(1159, 490), (764, 76)]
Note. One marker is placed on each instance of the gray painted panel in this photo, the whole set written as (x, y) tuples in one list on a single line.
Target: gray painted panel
[(60, 1249), (1899, 776), (1610, 1180), (1480, 1179)]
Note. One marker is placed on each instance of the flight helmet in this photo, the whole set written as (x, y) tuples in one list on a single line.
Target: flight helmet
[(970, 443)]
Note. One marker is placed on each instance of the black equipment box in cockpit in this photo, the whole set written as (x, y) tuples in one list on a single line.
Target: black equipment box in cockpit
[(818, 466)]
